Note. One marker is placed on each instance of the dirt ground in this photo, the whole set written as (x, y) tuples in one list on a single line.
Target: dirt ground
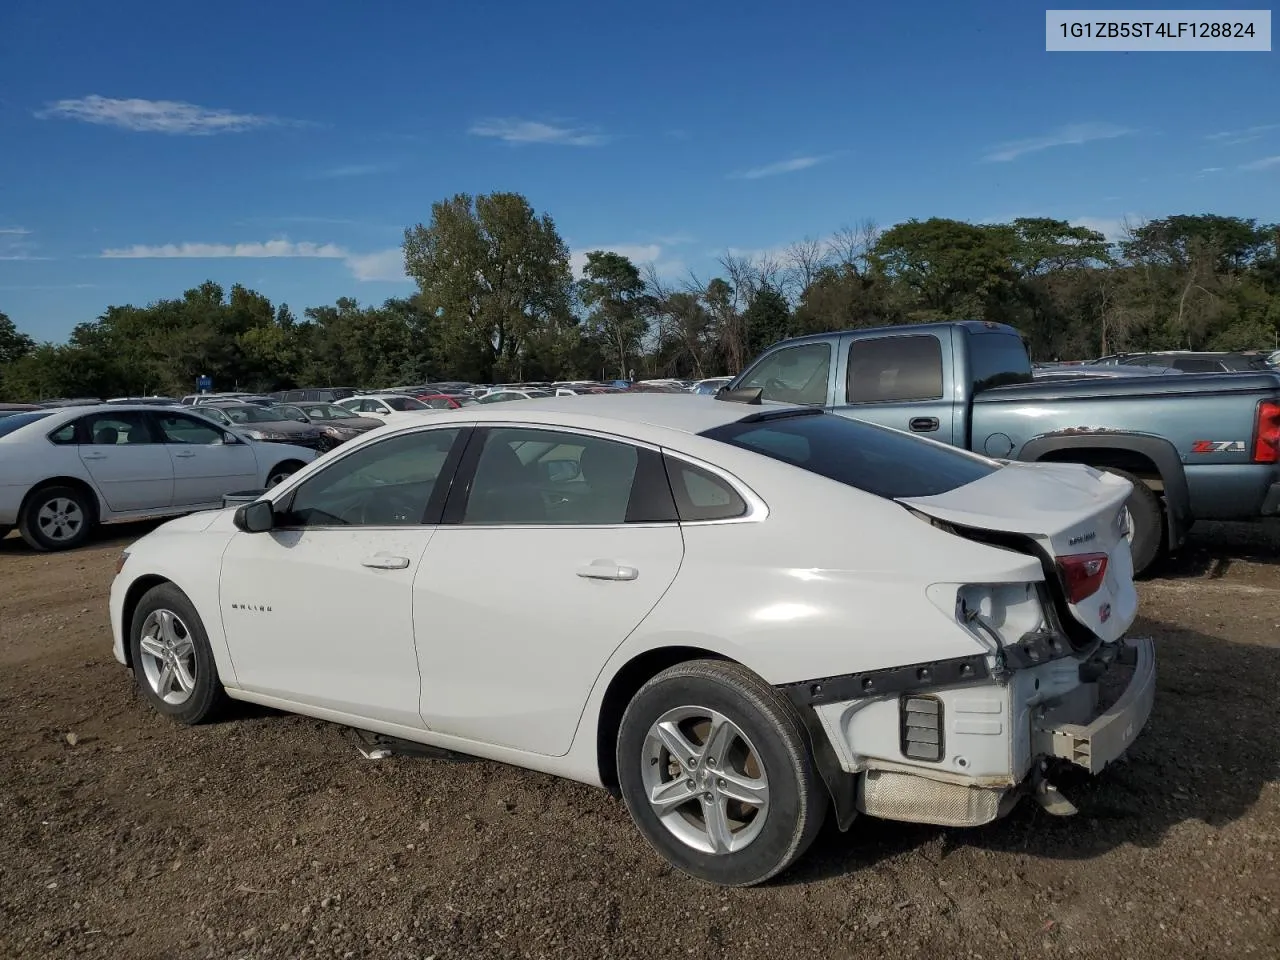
[(270, 836)]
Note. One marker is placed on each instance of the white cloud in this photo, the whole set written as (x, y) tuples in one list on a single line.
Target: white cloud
[(1071, 135), (782, 166), (378, 265), (14, 231), (512, 130), (14, 244), (1266, 163), (156, 116), (641, 254), (1230, 138), (381, 265)]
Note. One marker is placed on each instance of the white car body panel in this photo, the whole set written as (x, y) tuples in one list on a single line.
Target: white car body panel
[(819, 580)]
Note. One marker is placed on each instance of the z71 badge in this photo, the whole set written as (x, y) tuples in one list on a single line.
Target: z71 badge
[(1218, 446)]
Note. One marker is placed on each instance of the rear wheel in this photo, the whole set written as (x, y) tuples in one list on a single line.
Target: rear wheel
[(282, 471), (1146, 522), (56, 518), (715, 769)]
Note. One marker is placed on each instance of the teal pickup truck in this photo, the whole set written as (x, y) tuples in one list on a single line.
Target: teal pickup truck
[(1195, 446)]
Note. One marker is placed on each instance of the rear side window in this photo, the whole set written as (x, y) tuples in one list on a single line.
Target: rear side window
[(884, 462), (700, 494), (996, 359), (887, 369), (1197, 365), (16, 421)]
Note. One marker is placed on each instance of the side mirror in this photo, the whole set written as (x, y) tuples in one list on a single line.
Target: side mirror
[(230, 438), (256, 517)]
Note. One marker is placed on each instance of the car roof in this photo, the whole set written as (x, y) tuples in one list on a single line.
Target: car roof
[(681, 412)]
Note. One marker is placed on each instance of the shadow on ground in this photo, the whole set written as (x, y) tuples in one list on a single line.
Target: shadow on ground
[(1206, 754), (1213, 548), (114, 533)]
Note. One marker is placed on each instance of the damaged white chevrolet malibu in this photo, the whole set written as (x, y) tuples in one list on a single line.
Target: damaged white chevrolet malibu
[(740, 617)]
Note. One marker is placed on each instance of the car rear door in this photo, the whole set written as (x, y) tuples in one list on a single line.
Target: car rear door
[(205, 465), (899, 382), (128, 463), (551, 554)]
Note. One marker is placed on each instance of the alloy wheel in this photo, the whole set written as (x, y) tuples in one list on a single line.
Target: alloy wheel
[(168, 656), (60, 519)]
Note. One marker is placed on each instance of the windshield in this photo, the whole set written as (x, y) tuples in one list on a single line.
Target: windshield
[(326, 411), (887, 463), (248, 413), (17, 421), (404, 403)]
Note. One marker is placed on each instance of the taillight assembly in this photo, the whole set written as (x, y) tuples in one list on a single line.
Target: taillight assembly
[(1266, 433), (1082, 574)]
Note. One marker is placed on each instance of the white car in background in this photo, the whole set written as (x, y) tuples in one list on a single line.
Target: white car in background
[(64, 471), (737, 616), (385, 406), (506, 394)]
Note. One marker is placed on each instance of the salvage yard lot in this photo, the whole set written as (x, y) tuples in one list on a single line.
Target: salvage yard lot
[(270, 836)]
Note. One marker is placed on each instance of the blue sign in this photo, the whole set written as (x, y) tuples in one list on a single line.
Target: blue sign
[(204, 384)]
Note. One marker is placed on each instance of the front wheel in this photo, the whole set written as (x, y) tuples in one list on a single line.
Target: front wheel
[(172, 659), (715, 768)]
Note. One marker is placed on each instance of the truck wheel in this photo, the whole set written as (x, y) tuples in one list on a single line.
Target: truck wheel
[(1146, 515), (715, 768)]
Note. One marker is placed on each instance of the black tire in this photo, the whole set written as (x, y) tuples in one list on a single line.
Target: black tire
[(282, 471), (56, 517), (206, 699), (1146, 512), (771, 727)]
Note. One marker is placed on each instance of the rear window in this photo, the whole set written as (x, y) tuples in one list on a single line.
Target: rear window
[(884, 462), (16, 421), (996, 359)]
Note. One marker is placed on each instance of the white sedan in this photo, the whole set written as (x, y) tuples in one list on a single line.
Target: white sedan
[(739, 617), (387, 407), (64, 471)]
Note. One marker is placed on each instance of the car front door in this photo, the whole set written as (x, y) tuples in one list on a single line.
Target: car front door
[(319, 610), (555, 550), (126, 460), (899, 382), (205, 464)]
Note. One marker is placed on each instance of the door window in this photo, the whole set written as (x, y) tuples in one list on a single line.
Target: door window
[(391, 483), (793, 374), (895, 369), (179, 429), (528, 476), (112, 429)]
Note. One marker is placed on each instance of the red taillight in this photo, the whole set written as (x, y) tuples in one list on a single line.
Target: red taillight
[(1082, 574), (1266, 433)]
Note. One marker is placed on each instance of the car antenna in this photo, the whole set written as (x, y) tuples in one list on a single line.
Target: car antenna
[(750, 395)]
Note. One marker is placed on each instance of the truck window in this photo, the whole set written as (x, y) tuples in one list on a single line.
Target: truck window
[(1197, 365), (996, 359), (880, 461), (887, 369), (793, 374)]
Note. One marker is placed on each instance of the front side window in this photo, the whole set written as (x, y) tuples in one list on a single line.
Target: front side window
[(390, 483), (105, 429), (180, 429), (526, 476), (895, 369), (880, 461), (793, 374)]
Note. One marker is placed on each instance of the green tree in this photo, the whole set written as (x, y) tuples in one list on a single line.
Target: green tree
[(614, 294), (947, 269), (767, 319), (493, 275)]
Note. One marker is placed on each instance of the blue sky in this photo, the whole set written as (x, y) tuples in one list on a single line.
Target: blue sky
[(146, 147)]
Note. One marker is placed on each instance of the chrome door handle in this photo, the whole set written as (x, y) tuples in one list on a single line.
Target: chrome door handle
[(185, 456), (607, 570), (385, 563), (93, 456)]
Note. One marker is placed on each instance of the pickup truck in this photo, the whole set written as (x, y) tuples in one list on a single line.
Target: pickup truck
[(1200, 446)]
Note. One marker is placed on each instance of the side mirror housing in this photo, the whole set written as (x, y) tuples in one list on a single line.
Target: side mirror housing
[(256, 517), (230, 438)]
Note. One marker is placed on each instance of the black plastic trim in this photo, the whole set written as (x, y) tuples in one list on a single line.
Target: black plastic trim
[(875, 683), (841, 784), (903, 740), (749, 395), (1271, 503)]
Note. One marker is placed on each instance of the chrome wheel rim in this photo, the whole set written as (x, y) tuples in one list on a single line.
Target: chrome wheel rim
[(60, 519), (704, 780), (168, 657), (278, 478)]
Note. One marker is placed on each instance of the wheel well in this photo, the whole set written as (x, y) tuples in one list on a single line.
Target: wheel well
[(624, 685), (133, 596), (75, 483), (295, 464), (1140, 465)]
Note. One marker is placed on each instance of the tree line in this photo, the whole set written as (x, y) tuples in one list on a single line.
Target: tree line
[(497, 301)]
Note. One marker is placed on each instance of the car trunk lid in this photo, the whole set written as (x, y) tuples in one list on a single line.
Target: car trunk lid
[(1074, 515)]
